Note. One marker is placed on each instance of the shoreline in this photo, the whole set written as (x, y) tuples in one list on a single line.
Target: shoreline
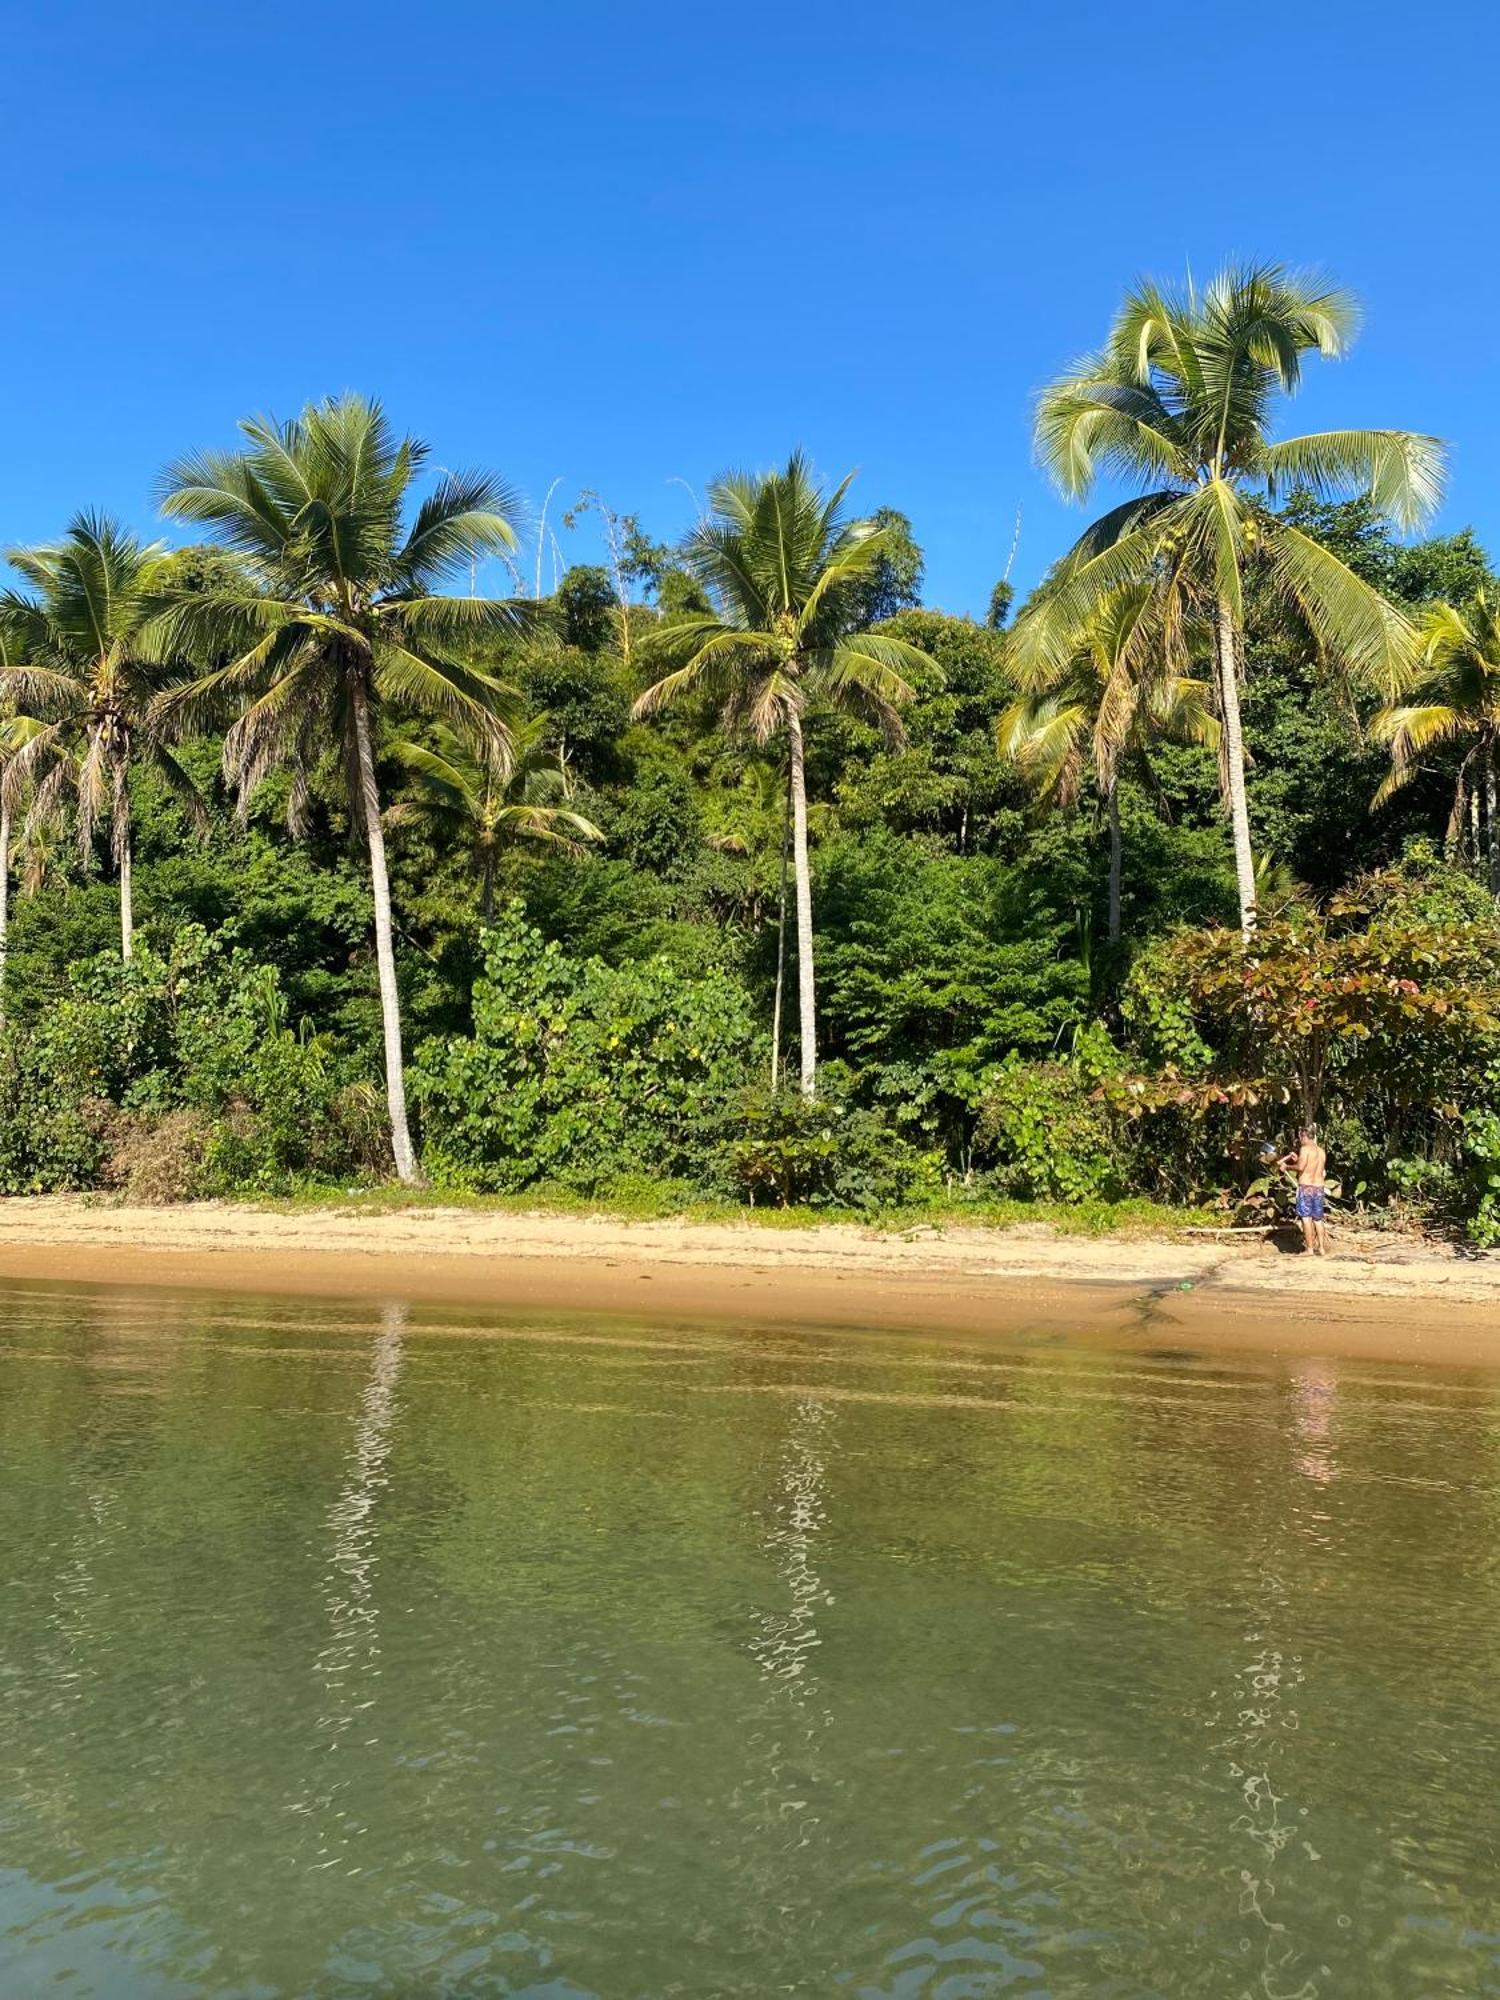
[(1414, 1303)]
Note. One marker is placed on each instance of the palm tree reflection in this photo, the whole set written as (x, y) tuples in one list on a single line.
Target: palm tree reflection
[(348, 1667), (787, 1638)]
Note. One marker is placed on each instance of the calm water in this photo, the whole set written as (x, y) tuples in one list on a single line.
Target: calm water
[(375, 1650)]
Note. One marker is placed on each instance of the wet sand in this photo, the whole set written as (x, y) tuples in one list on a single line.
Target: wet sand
[(1376, 1300)]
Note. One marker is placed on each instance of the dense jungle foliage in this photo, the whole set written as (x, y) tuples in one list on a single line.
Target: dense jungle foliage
[(1031, 979)]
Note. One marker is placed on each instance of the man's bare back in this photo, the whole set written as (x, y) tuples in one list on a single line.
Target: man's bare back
[(1311, 1164)]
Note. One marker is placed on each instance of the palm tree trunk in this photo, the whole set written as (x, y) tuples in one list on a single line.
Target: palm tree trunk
[(4, 900), (1226, 649), (1493, 835), (1116, 863), (1474, 843), (385, 955), (127, 900), (786, 855), (806, 1010), (118, 752), (1453, 838), (487, 891)]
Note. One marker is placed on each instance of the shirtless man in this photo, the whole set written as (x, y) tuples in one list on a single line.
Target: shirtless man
[(1311, 1163)]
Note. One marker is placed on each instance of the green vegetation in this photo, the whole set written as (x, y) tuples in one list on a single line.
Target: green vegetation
[(1083, 911)]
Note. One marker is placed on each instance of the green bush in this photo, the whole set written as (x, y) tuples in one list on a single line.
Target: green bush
[(1481, 1159), (1377, 1014), (1043, 1136), (784, 1151), (176, 1074), (579, 1073), (52, 1137)]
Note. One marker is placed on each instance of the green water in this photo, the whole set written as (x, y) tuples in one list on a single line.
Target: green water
[(352, 1649)]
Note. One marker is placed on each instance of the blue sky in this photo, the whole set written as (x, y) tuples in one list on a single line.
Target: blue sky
[(624, 247)]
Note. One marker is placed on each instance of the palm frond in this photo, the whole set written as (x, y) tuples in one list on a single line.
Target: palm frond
[(444, 782), (46, 692), (212, 701), (1356, 627), (557, 825), (1412, 727), (468, 516), (222, 490), (46, 751), (855, 554), (1044, 735), (712, 656), (426, 684), (457, 620), (1091, 422), (183, 787), (1401, 471), (1051, 626)]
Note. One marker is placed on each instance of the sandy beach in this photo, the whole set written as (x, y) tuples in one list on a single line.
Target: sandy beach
[(1377, 1297)]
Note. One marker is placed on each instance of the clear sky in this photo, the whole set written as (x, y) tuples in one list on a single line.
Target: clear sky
[(626, 246)]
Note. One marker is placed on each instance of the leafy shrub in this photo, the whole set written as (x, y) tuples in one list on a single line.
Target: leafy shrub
[(52, 1136), (1481, 1164), (786, 1151), (1377, 1015), (1043, 1136), (176, 1074), (921, 953), (1477, 1165), (580, 1073)]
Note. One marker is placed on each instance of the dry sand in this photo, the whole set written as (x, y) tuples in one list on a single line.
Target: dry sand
[(1375, 1298)]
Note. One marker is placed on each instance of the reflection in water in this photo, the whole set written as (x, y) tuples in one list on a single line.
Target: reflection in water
[(347, 1668), (344, 1650), (786, 1638), (1265, 1686), (1267, 1692), (1316, 1385)]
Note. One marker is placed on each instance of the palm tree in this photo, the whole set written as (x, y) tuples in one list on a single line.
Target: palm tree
[(40, 848), (755, 815), (83, 661), (1179, 404), (16, 731), (1115, 699), (470, 797), (345, 621), (772, 556), (1455, 699)]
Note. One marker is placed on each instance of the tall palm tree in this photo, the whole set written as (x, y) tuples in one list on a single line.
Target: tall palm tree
[(1455, 699), (84, 661), (755, 816), (1116, 697), (471, 798), (346, 620), (773, 556), (1179, 404)]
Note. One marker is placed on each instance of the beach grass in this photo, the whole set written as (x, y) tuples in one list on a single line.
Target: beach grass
[(668, 1201)]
